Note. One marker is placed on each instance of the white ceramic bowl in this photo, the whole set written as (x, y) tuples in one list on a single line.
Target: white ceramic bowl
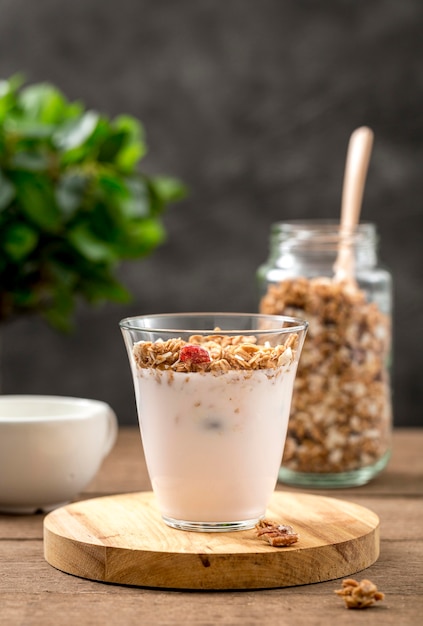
[(50, 449)]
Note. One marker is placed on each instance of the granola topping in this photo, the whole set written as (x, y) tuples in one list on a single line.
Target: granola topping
[(214, 353), (341, 408), (359, 595)]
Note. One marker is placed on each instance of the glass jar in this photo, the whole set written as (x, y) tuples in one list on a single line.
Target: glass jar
[(339, 433)]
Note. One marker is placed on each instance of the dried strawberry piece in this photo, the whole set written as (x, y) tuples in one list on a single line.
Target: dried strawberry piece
[(194, 354)]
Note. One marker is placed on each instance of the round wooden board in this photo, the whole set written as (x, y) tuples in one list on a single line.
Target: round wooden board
[(122, 539)]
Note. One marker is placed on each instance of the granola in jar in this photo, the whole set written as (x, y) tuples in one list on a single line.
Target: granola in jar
[(341, 417)]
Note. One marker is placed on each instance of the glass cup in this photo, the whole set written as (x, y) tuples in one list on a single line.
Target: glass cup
[(213, 394)]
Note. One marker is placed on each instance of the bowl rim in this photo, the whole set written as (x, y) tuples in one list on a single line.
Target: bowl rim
[(79, 408)]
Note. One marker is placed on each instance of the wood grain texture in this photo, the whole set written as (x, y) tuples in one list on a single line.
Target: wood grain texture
[(122, 539)]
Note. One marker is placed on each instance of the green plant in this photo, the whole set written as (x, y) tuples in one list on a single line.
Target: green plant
[(73, 204)]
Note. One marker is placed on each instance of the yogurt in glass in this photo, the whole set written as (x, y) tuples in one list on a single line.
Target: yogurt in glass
[(213, 422)]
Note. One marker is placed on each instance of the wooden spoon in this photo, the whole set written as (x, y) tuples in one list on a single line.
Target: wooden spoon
[(356, 166)]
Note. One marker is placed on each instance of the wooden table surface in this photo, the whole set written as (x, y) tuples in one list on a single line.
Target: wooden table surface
[(32, 593)]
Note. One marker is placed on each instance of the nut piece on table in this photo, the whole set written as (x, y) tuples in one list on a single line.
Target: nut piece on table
[(359, 595), (278, 535)]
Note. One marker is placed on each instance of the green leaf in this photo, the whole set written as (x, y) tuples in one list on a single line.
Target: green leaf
[(11, 85), (32, 161), (8, 90), (110, 183), (111, 146), (19, 241), (43, 103), (86, 155), (7, 192), (130, 125), (35, 196), (128, 156), (134, 146), (90, 246), (70, 193), (28, 128), (137, 203), (75, 133), (144, 236), (169, 189)]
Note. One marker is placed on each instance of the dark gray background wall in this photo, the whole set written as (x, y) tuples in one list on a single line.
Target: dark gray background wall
[(251, 103)]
